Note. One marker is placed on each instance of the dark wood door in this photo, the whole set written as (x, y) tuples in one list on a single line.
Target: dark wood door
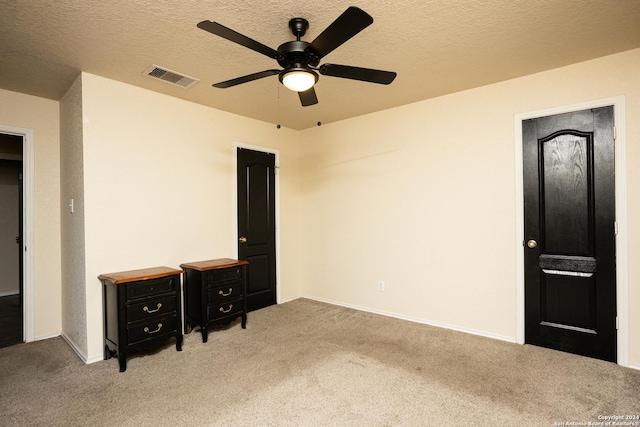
[(569, 208), (256, 225)]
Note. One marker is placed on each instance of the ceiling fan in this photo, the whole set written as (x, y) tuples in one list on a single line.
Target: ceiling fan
[(300, 59)]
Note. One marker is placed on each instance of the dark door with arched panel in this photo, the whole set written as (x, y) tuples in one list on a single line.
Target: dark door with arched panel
[(256, 225), (569, 207)]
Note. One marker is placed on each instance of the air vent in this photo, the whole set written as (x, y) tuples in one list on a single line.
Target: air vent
[(169, 76)]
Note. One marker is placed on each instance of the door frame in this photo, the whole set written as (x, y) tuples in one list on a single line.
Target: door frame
[(275, 152), (622, 275), (28, 273)]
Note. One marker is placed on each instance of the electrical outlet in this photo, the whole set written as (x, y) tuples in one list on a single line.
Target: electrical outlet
[(381, 285)]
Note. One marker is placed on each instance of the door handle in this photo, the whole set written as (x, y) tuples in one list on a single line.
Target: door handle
[(532, 244), (243, 239)]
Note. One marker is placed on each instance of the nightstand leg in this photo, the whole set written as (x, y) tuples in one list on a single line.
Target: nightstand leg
[(123, 362), (204, 333), (244, 320), (179, 342)]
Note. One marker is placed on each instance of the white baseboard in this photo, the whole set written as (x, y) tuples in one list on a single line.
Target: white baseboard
[(74, 347), (94, 360), (46, 337), (82, 357), (417, 320), (290, 299)]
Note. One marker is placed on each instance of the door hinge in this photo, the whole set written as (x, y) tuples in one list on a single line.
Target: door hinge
[(617, 323), (615, 227), (615, 133)]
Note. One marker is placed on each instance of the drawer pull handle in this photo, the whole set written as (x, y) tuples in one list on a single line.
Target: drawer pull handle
[(227, 294), (228, 310), (145, 308), (146, 329)]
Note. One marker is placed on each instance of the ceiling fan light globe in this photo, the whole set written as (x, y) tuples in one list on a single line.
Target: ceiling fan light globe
[(299, 81)]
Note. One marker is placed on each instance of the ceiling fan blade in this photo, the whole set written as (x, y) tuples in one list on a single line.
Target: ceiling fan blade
[(245, 79), (351, 22), (357, 73), (229, 34), (308, 97)]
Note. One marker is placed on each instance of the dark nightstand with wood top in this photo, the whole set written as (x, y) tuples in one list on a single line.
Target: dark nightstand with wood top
[(142, 308), (214, 293)]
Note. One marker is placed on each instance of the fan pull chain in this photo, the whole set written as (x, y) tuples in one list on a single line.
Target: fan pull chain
[(278, 117)]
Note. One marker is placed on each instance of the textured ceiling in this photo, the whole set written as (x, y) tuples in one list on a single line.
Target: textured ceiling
[(435, 46)]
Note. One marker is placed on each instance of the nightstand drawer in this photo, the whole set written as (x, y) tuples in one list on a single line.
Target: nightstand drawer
[(151, 287), (152, 308), (164, 326), (214, 277), (226, 309), (224, 293)]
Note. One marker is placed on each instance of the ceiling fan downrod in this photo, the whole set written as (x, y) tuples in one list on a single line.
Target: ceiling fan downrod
[(299, 27)]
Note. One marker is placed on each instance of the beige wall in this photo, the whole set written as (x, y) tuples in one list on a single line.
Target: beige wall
[(159, 186), (73, 291), (423, 197), (42, 116)]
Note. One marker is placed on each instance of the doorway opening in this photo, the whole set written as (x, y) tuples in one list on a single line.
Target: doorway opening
[(23, 246), (11, 259)]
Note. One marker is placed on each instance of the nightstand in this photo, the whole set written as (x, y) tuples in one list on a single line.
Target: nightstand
[(214, 293), (142, 308)]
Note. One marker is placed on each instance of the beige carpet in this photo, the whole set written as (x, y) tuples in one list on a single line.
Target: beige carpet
[(306, 363)]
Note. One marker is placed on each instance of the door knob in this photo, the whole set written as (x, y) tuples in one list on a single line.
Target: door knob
[(532, 244), (243, 239)]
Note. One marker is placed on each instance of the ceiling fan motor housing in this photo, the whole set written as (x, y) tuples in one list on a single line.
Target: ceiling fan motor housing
[(295, 54)]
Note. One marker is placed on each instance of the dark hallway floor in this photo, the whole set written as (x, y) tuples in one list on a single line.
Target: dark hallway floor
[(10, 321)]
